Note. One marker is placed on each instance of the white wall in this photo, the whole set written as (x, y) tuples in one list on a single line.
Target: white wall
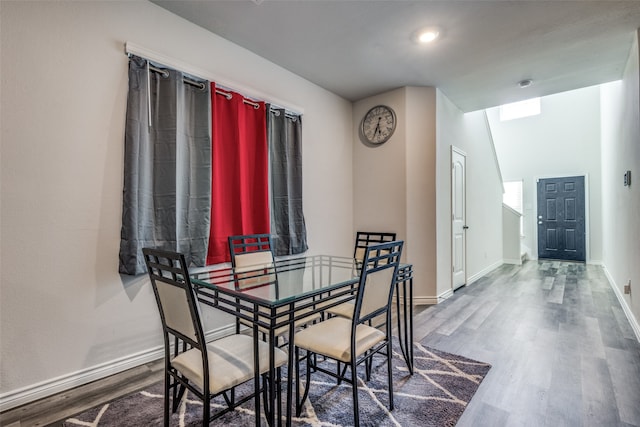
[(620, 204), (564, 140), (394, 183), (379, 195), (468, 132), (420, 177), (64, 309), (511, 235)]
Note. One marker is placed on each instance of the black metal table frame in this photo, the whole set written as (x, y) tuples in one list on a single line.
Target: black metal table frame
[(270, 315)]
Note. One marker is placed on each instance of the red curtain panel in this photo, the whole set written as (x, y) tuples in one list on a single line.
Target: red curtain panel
[(240, 171)]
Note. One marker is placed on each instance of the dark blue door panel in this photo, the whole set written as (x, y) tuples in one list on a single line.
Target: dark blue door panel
[(561, 218)]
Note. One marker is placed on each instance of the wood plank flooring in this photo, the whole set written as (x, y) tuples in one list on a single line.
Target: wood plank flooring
[(561, 349)]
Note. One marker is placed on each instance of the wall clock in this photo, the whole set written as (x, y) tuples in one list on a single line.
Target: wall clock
[(378, 124)]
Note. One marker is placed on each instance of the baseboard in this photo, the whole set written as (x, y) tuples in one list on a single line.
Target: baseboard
[(517, 261), (446, 294), (625, 307), (432, 300), (483, 272), (43, 389), (425, 300), (31, 393)]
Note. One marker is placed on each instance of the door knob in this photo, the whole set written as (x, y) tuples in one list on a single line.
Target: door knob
[(465, 227)]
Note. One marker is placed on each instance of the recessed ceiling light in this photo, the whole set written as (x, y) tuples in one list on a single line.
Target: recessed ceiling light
[(427, 35), (525, 83)]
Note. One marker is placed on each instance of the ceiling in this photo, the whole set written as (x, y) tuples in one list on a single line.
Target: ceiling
[(360, 48)]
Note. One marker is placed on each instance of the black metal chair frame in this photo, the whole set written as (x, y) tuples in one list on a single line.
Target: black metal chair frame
[(365, 239), (245, 244), (377, 257), (171, 268), (248, 243)]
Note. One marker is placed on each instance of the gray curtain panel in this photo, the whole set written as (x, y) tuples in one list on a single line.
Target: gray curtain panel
[(288, 230), (167, 167)]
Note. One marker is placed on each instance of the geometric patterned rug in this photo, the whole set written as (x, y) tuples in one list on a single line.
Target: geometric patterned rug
[(435, 395)]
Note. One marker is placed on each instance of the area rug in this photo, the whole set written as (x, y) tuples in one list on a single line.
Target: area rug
[(435, 395)]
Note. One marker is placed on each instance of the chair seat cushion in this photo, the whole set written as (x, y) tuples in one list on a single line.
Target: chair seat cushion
[(332, 338), (230, 362), (343, 310)]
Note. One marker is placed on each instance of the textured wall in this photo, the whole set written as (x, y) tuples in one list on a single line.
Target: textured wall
[(621, 205), (64, 309)]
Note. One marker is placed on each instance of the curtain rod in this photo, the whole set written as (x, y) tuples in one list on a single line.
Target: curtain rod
[(159, 58), (186, 80), (244, 99), (287, 115), (201, 85)]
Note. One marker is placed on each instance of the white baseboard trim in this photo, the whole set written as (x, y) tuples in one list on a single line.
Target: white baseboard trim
[(43, 389), (625, 307), (47, 388), (432, 300), (484, 272), (517, 261), (445, 295), (425, 300)]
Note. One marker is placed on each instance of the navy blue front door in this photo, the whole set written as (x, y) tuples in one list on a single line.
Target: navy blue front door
[(561, 218)]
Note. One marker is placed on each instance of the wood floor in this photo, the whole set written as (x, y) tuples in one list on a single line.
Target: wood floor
[(561, 349)]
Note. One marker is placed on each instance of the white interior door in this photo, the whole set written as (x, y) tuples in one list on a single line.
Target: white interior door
[(458, 218)]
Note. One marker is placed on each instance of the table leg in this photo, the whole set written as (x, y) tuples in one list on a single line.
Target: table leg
[(291, 357), (405, 321), (271, 414), (256, 380)]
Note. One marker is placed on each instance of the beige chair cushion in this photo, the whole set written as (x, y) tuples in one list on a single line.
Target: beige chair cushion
[(248, 268), (230, 362), (376, 295), (343, 310), (175, 308), (332, 338), (248, 260)]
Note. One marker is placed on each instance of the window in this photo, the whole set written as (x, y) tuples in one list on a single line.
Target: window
[(512, 197), (517, 110)]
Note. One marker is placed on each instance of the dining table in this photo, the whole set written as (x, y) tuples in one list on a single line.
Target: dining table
[(278, 295)]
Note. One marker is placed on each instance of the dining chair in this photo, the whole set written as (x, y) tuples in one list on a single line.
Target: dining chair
[(364, 239), (206, 369), (251, 250), (251, 253), (352, 341)]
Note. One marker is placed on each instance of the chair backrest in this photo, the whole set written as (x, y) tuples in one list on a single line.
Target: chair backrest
[(175, 296), (364, 239), (249, 253), (250, 249), (377, 280)]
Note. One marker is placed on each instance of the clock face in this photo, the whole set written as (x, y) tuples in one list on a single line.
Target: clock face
[(378, 124)]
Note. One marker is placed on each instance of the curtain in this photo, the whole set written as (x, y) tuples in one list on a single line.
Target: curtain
[(288, 230), (167, 167), (239, 182)]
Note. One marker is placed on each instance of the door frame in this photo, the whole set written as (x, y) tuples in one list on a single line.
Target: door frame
[(460, 152), (534, 224)]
